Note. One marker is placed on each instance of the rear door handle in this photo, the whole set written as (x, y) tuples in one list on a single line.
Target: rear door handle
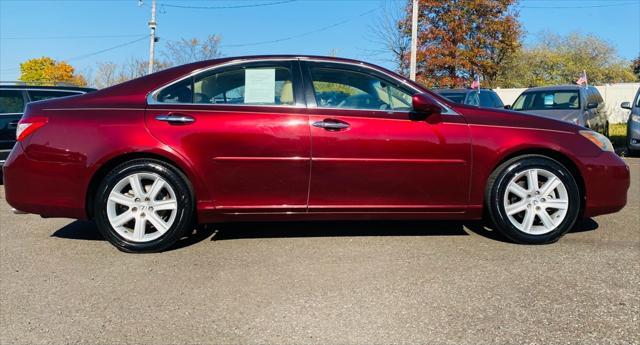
[(176, 118), (331, 124)]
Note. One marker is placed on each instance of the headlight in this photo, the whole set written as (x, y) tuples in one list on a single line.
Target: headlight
[(635, 118), (598, 139)]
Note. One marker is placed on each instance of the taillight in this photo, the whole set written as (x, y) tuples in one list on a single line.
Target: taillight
[(27, 126)]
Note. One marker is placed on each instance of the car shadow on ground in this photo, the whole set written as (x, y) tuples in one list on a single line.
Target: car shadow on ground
[(87, 230)]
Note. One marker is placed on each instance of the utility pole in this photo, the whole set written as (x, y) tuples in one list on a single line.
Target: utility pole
[(152, 36), (414, 40)]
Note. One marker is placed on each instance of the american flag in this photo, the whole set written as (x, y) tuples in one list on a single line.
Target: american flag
[(582, 79), (476, 83)]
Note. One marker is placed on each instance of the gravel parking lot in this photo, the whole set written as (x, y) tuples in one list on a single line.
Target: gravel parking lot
[(324, 283)]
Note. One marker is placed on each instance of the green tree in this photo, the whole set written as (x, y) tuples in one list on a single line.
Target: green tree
[(460, 39), (555, 59), (47, 71)]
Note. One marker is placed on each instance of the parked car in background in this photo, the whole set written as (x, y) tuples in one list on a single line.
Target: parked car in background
[(300, 138), (13, 99), (486, 98), (581, 105), (633, 125)]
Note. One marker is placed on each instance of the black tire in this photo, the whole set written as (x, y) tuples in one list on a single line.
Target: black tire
[(496, 189), (185, 205)]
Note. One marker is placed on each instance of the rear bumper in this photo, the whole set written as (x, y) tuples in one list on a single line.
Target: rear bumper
[(45, 188), (606, 179)]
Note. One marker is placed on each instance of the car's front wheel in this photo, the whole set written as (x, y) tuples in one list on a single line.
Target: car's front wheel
[(533, 199), (144, 205)]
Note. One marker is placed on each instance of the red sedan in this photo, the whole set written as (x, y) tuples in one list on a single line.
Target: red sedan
[(301, 138)]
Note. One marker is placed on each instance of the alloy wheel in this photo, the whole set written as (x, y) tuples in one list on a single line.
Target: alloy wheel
[(142, 207), (536, 201)]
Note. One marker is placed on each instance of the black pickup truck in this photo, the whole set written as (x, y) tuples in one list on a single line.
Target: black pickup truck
[(13, 99)]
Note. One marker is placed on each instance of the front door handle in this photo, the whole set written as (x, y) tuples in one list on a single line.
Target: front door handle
[(331, 124), (176, 118)]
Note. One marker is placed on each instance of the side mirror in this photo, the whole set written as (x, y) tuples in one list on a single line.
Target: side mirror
[(625, 105), (424, 104), (508, 106), (592, 105)]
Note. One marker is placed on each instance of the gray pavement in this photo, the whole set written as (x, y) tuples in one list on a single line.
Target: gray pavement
[(323, 283)]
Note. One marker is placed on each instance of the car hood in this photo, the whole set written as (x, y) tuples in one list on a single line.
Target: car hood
[(568, 115)]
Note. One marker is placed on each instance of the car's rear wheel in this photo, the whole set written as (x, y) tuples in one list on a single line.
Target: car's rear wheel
[(144, 205), (533, 199)]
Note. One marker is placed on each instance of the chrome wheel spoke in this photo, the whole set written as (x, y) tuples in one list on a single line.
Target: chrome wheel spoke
[(164, 205), (516, 207), (549, 186), (532, 180), (139, 228), (157, 222), (556, 204), (122, 218), (136, 186), (527, 222), (517, 190), (156, 187), (121, 199), (546, 219)]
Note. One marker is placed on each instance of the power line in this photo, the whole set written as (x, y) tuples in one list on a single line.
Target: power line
[(65, 37), (302, 34), (230, 6), (84, 56)]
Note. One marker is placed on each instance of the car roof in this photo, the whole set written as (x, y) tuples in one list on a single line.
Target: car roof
[(459, 90), (556, 87), (46, 87)]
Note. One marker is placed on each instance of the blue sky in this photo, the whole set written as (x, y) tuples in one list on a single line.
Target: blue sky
[(76, 30)]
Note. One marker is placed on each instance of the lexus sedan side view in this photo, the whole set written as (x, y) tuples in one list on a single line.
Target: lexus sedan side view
[(581, 105), (300, 138)]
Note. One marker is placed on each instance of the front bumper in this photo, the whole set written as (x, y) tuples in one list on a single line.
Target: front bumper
[(606, 181)]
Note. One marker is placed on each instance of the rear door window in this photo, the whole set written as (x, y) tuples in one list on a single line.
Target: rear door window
[(486, 99), (11, 102), (40, 95)]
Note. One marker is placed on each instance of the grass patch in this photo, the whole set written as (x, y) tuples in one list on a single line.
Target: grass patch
[(618, 134)]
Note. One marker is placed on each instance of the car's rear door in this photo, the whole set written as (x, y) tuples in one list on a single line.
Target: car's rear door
[(245, 129), (371, 154)]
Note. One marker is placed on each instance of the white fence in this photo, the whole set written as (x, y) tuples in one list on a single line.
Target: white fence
[(613, 95)]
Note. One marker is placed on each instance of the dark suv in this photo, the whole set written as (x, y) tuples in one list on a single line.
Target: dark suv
[(14, 97), (485, 98)]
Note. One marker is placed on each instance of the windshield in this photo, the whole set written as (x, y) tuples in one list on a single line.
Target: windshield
[(548, 100), (456, 97)]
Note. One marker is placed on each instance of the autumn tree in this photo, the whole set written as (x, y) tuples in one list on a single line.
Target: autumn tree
[(554, 59), (460, 39), (47, 71)]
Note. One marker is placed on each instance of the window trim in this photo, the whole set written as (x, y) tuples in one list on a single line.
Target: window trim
[(299, 100), (302, 90)]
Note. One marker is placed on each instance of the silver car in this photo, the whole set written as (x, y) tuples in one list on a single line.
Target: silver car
[(582, 105), (633, 124)]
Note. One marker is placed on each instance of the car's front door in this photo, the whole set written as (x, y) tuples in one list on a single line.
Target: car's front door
[(245, 128), (370, 153)]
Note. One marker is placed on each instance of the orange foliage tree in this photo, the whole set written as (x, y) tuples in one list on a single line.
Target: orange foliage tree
[(459, 39), (47, 71)]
